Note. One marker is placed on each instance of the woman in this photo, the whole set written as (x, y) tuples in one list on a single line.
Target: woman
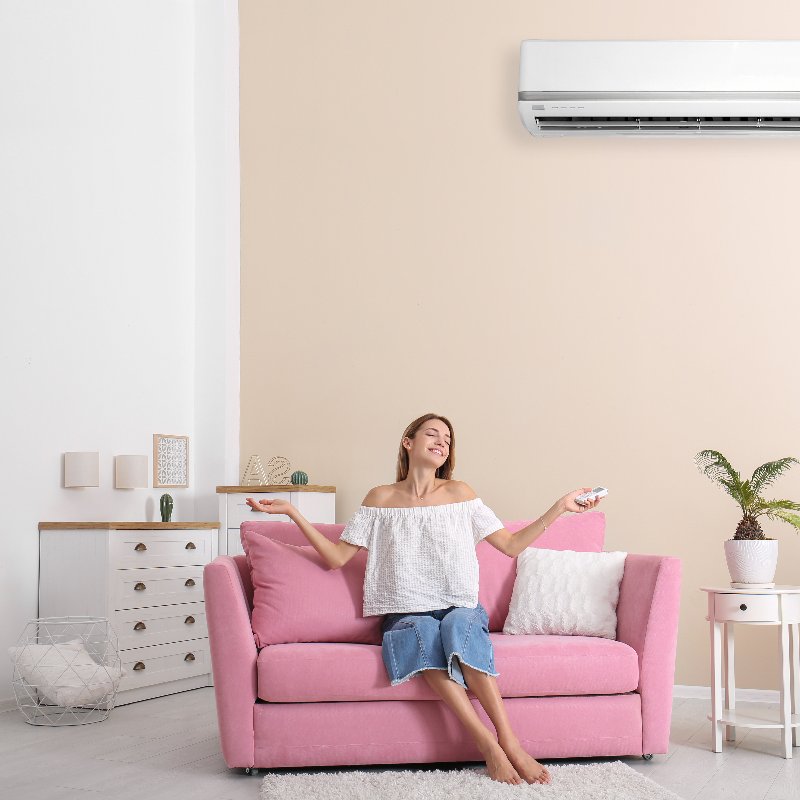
[(422, 574)]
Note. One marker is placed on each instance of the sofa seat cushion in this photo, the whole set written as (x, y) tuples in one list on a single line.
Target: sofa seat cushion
[(529, 666)]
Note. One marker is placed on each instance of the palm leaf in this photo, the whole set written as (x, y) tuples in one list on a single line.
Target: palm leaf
[(764, 505), (772, 509), (717, 468), (767, 473), (748, 498), (792, 519)]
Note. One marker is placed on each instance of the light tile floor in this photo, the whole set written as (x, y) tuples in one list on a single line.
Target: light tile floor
[(168, 748)]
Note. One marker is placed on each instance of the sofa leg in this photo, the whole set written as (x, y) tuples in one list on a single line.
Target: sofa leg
[(254, 770), (648, 756)]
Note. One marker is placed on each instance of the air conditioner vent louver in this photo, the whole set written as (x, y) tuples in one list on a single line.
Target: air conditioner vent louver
[(664, 124)]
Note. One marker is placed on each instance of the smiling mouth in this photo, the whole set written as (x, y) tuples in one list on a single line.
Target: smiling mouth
[(436, 450)]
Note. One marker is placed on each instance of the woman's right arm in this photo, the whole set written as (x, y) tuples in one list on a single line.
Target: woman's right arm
[(334, 554)]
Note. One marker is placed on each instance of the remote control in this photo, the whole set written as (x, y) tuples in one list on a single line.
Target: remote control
[(598, 491)]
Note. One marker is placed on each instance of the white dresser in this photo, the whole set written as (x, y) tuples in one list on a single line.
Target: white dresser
[(146, 578), (315, 503)]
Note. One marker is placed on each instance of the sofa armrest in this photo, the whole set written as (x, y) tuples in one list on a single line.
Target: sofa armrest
[(647, 620), (233, 659)]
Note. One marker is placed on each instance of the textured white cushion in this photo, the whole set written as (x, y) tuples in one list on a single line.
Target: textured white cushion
[(566, 592), (65, 674)]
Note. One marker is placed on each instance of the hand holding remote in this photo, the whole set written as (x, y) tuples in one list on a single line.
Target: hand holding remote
[(589, 498)]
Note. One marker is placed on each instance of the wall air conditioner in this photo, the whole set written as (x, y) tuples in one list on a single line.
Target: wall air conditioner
[(660, 88)]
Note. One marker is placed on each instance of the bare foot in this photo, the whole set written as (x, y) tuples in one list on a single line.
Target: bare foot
[(527, 767), (497, 764)]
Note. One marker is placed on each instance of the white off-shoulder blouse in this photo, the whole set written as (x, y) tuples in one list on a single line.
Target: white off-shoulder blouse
[(421, 558)]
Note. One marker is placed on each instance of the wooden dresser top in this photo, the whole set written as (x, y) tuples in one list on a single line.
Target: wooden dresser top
[(127, 526), (291, 487)]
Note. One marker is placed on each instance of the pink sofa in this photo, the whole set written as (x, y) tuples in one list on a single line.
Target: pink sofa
[(327, 704)]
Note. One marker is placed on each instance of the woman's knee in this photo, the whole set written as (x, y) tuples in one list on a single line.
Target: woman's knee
[(429, 632), (461, 622)]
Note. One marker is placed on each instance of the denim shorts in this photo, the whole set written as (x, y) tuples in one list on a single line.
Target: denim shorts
[(442, 639)]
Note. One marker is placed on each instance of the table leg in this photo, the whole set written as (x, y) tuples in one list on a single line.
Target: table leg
[(730, 681), (716, 677), (794, 679), (786, 694)]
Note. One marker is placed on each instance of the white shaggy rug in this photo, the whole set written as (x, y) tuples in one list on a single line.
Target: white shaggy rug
[(606, 781)]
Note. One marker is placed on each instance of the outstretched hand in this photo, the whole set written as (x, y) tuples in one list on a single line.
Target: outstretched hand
[(571, 505), (270, 506)]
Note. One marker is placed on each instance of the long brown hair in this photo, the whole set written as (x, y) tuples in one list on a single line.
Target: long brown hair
[(446, 470)]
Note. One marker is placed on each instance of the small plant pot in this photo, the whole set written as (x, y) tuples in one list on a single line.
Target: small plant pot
[(752, 562)]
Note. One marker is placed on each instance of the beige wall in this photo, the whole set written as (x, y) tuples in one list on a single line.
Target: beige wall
[(585, 311)]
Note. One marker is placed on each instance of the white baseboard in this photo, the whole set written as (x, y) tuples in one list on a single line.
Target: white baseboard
[(746, 695)]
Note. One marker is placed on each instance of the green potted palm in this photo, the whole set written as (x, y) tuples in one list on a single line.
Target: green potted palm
[(752, 557)]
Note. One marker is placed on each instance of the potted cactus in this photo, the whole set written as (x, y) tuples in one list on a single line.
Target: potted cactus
[(752, 557)]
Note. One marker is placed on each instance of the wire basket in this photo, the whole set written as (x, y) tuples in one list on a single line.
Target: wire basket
[(66, 670)]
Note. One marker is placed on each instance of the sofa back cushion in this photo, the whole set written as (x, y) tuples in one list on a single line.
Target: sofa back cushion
[(582, 532), (297, 598)]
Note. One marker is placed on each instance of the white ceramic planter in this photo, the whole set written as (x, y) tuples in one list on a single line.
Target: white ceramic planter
[(752, 561)]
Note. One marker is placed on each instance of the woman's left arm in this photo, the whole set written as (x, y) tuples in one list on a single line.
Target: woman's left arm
[(512, 544)]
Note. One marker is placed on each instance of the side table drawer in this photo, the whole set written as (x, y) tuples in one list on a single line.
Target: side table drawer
[(164, 662), (141, 588), (235, 542), (134, 549), (144, 627), (239, 511), (746, 608)]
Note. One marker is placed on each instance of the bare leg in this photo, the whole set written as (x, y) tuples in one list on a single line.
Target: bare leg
[(454, 696), (484, 687)]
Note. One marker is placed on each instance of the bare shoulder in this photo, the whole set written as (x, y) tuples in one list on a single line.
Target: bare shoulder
[(378, 496), (460, 491)]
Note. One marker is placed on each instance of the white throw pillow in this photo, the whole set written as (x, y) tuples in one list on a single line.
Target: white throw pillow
[(65, 674), (566, 592)]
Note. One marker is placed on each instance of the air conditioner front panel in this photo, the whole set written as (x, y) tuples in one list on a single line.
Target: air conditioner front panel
[(659, 66)]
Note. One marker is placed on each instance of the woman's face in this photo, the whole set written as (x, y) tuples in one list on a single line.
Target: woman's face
[(430, 446)]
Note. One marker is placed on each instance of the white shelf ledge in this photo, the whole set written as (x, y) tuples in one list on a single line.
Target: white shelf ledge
[(755, 719)]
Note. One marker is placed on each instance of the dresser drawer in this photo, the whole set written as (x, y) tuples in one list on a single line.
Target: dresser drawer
[(141, 588), (144, 627), (164, 662), (746, 608), (235, 542), (133, 549), (239, 511)]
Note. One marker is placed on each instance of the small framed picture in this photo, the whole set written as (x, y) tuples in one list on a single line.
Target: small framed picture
[(170, 461)]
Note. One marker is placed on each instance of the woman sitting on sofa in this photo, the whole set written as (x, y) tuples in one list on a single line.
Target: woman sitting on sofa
[(422, 574)]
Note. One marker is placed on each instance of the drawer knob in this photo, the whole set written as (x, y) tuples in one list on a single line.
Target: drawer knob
[(138, 666), (191, 546), (140, 587), (743, 607), (189, 582), (189, 620), (141, 547), (140, 626), (189, 657)]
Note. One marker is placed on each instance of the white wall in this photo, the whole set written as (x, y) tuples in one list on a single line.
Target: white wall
[(101, 299), (216, 112)]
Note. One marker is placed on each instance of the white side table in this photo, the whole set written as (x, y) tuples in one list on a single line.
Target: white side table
[(315, 503), (777, 606)]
